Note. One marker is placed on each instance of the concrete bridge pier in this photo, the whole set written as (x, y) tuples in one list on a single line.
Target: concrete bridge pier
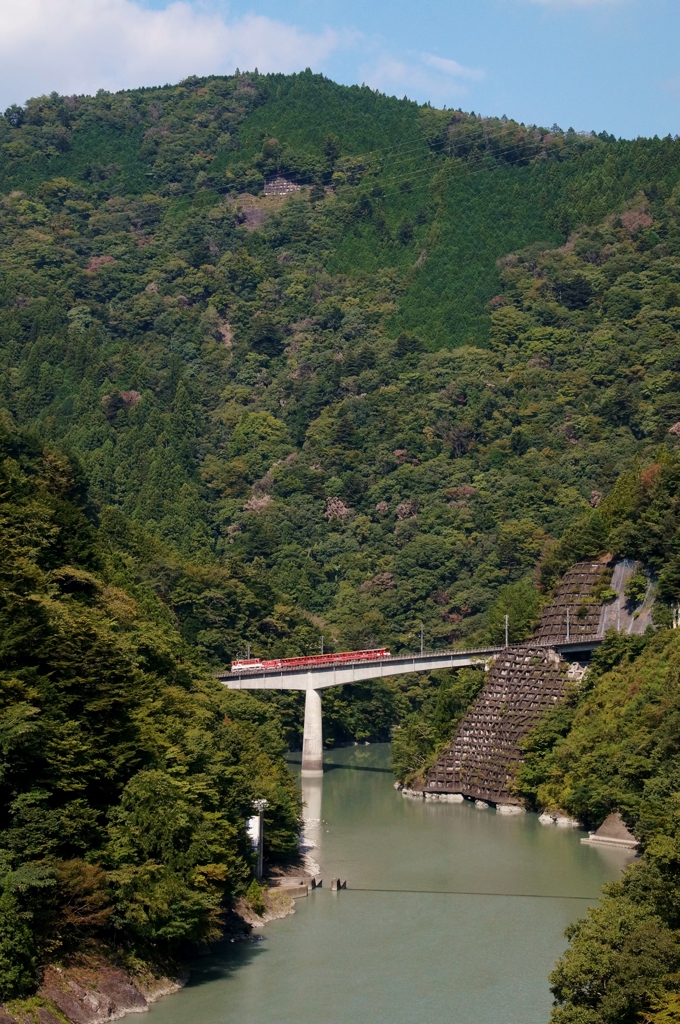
[(312, 795), (312, 739)]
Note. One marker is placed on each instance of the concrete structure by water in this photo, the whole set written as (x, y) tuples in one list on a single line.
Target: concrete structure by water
[(312, 741), (612, 832), (526, 682), (523, 684)]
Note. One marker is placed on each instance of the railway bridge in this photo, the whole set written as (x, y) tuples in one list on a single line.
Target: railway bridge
[(524, 680), (315, 678)]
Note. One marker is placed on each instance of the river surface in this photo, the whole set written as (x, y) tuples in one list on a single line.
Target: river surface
[(405, 957)]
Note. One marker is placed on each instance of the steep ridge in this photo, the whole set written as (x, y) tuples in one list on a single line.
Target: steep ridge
[(609, 752)]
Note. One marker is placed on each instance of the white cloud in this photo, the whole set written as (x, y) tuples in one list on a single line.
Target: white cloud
[(452, 67), (77, 46), (421, 77)]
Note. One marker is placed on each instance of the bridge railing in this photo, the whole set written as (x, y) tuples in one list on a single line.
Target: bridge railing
[(573, 643)]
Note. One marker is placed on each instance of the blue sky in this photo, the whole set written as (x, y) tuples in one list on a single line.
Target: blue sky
[(588, 64)]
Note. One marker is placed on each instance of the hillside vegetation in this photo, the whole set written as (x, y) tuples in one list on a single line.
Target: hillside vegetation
[(396, 397), (126, 772), (614, 746), (222, 386)]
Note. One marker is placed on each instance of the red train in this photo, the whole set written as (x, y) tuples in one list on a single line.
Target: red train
[(258, 665)]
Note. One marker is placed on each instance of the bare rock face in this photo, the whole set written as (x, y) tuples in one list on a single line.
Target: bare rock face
[(612, 832), (96, 995), (46, 1016), (92, 997)]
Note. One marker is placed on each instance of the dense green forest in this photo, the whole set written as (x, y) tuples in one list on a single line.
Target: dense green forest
[(127, 772), (411, 392)]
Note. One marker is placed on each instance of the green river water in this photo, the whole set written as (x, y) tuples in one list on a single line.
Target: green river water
[(404, 957)]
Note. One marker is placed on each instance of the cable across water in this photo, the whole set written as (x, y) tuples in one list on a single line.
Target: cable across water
[(465, 892)]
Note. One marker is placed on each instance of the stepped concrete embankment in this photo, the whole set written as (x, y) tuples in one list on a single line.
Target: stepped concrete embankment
[(525, 683)]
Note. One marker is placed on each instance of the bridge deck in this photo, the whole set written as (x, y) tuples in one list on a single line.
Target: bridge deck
[(321, 676)]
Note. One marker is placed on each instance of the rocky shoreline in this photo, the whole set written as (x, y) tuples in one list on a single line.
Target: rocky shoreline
[(89, 994), (93, 991)]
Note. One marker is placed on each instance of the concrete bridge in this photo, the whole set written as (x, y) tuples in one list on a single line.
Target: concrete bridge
[(317, 678)]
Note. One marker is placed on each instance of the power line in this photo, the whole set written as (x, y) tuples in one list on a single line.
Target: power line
[(465, 892), (432, 149), (385, 184), (489, 132)]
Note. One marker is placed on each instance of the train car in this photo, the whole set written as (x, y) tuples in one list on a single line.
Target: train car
[(314, 660)]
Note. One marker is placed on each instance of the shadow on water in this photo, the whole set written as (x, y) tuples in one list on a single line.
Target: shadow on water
[(225, 960), (330, 766)]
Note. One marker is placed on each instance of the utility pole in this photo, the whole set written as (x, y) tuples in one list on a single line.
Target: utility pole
[(248, 649), (507, 630), (322, 645), (260, 807), (422, 640), (568, 625)]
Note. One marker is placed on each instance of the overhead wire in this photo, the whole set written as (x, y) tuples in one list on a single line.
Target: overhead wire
[(434, 148), (466, 892), (438, 151), (496, 129), (513, 149)]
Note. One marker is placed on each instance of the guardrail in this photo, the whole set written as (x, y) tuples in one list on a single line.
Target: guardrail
[(572, 645)]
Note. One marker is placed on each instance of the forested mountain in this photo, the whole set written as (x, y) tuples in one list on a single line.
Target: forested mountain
[(356, 404), (396, 394)]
